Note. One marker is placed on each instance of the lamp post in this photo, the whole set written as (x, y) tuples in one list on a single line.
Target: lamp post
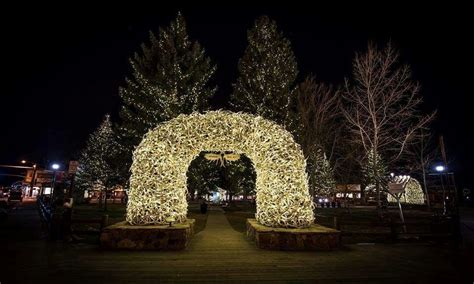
[(55, 167), (440, 169)]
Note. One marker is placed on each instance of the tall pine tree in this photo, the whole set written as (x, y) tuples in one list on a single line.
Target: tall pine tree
[(97, 168), (321, 174), (267, 72), (375, 171), (237, 177), (170, 77)]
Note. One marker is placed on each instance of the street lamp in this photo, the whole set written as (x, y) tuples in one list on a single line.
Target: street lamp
[(55, 167), (440, 168)]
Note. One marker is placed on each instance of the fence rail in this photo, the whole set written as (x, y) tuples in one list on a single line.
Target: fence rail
[(443, 229), (60, 224)]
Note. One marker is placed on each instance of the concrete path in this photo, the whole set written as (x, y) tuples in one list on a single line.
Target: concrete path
[(218, 236)]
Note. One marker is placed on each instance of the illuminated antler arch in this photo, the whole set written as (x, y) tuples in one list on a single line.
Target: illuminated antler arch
[(160, 162)]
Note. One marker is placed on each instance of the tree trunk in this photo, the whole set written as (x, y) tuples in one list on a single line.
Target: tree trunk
[(377, 191), (363, 200), (100, 198), (426, 189), (105, 201)]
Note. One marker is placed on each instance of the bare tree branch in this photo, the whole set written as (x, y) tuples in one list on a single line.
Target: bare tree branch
[(382, 104)]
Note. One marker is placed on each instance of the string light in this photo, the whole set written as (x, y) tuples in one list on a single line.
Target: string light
[(413, 193)]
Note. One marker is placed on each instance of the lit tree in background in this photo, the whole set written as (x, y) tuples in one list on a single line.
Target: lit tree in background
[(96, 162), (374, 170), (267, 72), (382, 108), (203, 177), (170, 77), (321, 175), (239, 178)]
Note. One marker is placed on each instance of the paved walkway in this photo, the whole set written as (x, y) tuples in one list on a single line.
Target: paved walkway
[(216, 254), (218, 237)]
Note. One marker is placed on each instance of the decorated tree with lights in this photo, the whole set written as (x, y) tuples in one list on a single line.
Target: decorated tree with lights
[(203, 177), (321, 181), (374, 170), (267, 72), (97, 168), (171, 76), (238, 177)]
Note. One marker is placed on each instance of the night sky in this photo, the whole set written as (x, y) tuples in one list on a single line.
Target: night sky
[(64, 65)]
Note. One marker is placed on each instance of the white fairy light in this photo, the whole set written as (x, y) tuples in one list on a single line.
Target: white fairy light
[(413, 193), (160, 162)]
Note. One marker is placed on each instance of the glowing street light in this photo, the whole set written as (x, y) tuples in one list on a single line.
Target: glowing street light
[(55, 167), (440, 168), (23, 161)]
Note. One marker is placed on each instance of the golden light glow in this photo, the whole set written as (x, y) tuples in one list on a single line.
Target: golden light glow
[(160, 162), (413, 193), (222, 157)]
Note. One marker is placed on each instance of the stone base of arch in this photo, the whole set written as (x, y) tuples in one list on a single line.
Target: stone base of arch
[(313, 238), (123, 236)]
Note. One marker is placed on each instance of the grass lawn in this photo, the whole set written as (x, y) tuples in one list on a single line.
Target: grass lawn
[(117, 212), (357, 224), (238, 219)]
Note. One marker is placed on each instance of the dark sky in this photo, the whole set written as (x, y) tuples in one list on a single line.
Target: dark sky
[(64, 64)]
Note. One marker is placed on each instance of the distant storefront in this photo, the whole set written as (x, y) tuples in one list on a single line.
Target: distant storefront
[(348, 191), (42, 181)]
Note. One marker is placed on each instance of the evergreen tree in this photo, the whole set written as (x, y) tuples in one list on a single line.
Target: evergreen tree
[(203, 177), (239, 177), (375, 171), (96, 162), (170, 77), (267, 72), (236, 177), (321, 174)]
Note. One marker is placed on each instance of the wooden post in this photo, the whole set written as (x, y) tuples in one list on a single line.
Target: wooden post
[(402, 218)]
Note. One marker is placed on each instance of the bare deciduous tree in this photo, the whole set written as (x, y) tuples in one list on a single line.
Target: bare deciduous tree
[(315, 115), (382, 105), (317, 111)]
